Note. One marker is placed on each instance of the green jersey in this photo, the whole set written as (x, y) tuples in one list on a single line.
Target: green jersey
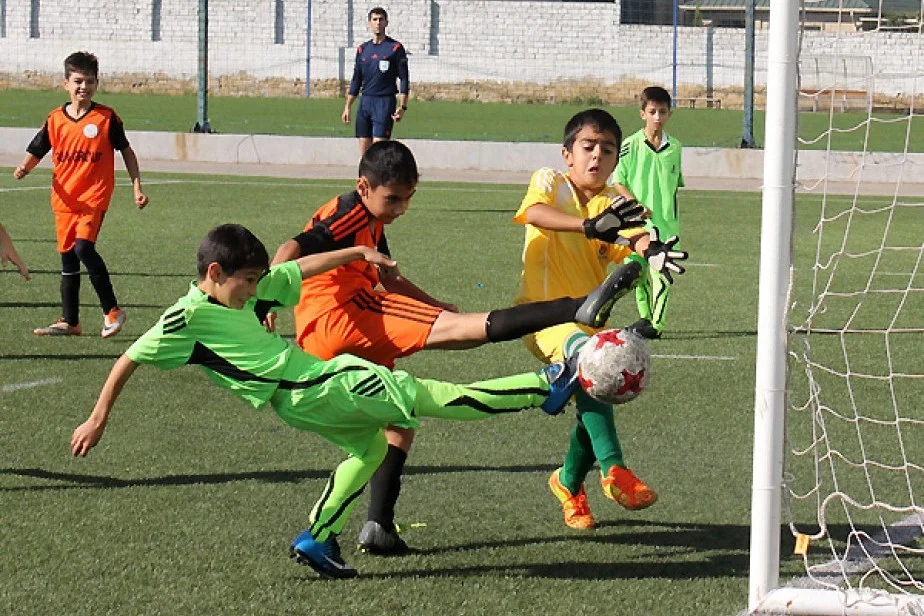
[(231, 345), (653, 177)]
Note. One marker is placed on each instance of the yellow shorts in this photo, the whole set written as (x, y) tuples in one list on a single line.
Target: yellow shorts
[(549, 344)]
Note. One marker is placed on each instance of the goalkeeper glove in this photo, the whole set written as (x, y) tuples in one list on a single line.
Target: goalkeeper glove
[(621, 214), (661, 256)]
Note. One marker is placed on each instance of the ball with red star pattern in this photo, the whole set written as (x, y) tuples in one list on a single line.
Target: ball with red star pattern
[(614, 366)]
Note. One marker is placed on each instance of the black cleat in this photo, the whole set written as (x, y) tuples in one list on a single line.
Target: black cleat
[(644, 328), (597, 306), (375, 539)]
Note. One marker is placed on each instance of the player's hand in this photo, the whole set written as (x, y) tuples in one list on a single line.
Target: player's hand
[(345, 116), (269, 322), (662, 257), (20, 172), (141, 199), (13, 257), (377, 258), (85, 437), (621, 214), (398, 114)]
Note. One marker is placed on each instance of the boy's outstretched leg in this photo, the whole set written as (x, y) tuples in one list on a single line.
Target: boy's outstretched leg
[(317, 545), (549, 389)]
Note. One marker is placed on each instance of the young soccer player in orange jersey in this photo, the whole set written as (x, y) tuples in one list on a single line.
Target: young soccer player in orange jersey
[(83, 136), (341, 311)]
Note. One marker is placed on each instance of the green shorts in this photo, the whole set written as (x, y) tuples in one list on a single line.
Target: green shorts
[(350, 403)]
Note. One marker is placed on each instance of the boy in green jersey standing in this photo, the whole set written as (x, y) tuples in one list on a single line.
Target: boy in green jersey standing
[(649, 172), (346, 400)]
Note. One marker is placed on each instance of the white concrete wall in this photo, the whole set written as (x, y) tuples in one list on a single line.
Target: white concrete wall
[(712, 163), (449, 41)]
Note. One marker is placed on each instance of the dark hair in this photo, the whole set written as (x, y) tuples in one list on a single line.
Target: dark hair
[(377, 11), (655, 94), (233, 247), (389, 162), (600, 120), (81, 62)]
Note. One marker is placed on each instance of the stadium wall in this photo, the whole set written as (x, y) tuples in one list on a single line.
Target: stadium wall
[(262, 47), (462, 156)]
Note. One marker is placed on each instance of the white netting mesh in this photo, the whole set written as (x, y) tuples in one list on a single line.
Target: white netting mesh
[(855, 429)]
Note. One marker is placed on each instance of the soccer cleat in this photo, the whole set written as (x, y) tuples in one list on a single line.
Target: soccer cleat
[(574, 506), (322, 556), (563, 379), (645, 329), (58, 328), (622, 486), (376, 540), (113, 322), (597, 306)]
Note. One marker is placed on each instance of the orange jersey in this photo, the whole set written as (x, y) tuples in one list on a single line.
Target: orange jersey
[(342, 222), (83, 157)]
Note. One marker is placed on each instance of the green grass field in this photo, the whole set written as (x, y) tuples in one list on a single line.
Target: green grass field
[(189, 503), (454, 120)]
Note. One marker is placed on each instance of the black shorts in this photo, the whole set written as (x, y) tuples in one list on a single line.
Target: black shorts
[(374, 117)]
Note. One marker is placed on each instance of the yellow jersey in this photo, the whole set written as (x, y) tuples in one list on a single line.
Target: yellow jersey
[(561, 264)]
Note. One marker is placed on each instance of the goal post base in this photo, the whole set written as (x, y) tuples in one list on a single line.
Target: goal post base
[(816, 602)]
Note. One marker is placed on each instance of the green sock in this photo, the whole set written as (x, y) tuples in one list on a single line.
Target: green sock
[(597, 418), (346, 483), (578, 461)]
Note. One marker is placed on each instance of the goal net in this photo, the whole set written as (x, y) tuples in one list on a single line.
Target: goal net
[(839, 424)]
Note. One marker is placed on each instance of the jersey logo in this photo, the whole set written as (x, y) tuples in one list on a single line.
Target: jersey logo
[(90, 131), (383, 66)]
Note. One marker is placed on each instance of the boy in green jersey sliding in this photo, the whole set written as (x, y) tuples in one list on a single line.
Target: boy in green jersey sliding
[(346, 400)]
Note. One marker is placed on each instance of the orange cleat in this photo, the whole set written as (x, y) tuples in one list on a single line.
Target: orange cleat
[(58, 328), (113, 322), (622, 486), (574, 506)]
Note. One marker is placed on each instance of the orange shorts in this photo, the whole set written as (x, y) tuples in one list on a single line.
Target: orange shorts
[(375, 325), (72, 226)]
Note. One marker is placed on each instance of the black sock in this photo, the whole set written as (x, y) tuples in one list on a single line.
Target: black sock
[(385, 486), (99, 274), (70, 298), (515, 322)]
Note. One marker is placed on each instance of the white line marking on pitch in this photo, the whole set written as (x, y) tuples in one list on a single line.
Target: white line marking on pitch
[(713, 357), (30, 385)]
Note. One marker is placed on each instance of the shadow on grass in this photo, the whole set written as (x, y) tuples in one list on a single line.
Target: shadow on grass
[(57, 272), (58, 305), (80, 481)]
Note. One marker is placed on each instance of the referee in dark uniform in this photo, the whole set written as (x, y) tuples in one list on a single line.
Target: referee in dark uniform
[(380, 63)]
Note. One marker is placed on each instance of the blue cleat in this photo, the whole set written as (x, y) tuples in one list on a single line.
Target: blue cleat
[(597, 306), (322, 556), (563, 380)]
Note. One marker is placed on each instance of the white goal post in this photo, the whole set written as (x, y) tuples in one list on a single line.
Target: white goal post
[(875, 568)]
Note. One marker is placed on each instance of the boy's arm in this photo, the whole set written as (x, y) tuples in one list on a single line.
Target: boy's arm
[(622, 214), (28, 164), (8, 253), (394, 282), (315, 264), (134, 172), (288, 251), (88, 434)]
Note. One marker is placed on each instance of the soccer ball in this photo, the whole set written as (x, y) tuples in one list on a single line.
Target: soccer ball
[(614, 366)]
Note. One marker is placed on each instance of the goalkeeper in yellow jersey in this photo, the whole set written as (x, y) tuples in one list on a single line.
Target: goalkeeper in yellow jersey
[(576, 226)]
